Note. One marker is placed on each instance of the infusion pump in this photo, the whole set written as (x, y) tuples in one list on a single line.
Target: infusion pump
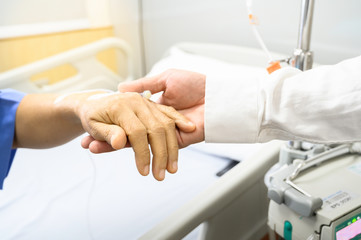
[(319, 198)]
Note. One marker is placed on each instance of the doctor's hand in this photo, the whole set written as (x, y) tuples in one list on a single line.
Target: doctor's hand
[(116, 119), (183, 90)]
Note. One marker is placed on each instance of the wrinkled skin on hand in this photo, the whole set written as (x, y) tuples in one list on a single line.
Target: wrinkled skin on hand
[(127, 119)]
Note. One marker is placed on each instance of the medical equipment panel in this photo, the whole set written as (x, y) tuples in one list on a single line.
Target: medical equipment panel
[(336, 183), (350, 228)]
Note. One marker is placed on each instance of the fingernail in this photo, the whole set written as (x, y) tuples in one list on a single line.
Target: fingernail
[(146, 170), (191, 124), (175, 166), (162, 174)]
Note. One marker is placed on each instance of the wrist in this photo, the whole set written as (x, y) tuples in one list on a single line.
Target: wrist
[(71, 106)]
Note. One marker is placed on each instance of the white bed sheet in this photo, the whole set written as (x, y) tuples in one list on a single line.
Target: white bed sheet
[(47, 192)]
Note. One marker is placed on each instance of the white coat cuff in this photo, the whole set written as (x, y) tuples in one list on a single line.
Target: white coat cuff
[(221, 103)]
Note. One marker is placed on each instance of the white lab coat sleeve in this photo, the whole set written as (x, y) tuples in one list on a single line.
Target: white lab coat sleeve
[(320, 105)]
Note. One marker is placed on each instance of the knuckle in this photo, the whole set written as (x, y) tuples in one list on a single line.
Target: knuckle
[(161, 154), (168, 109), (144, 152), (157, 129), (137, 132), (114, 108), (169, 124), (142, 156), (171, 109), (172, 147)]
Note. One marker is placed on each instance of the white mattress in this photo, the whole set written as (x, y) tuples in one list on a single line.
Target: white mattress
[(47, 192)]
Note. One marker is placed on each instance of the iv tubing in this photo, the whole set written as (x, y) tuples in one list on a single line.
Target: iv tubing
[(255, 31)]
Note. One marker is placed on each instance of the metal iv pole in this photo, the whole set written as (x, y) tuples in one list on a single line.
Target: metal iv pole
[(302, 59), (302, 56)]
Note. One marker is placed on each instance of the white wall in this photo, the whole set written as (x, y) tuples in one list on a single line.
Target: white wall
[(125, 19), (20, 18), (15, 12), (336, 31)]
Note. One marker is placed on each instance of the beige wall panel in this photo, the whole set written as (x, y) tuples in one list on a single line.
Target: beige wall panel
[(20, 51)]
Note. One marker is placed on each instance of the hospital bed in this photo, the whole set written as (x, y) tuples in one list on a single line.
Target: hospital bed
[(68, 193), (90, 72)]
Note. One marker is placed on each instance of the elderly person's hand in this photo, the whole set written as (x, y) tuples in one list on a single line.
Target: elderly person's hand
[(183, 90), (120, 117)]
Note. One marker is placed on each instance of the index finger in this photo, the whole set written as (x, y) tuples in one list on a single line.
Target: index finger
[(154, 84)]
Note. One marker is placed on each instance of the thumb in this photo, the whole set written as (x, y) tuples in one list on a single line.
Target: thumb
[(112, 134), (95, 146), (154, 84)]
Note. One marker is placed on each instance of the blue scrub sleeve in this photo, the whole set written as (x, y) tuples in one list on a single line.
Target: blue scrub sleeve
[(9, 102)]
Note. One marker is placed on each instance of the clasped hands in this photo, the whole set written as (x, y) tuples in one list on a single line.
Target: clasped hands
[(127, 119)]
